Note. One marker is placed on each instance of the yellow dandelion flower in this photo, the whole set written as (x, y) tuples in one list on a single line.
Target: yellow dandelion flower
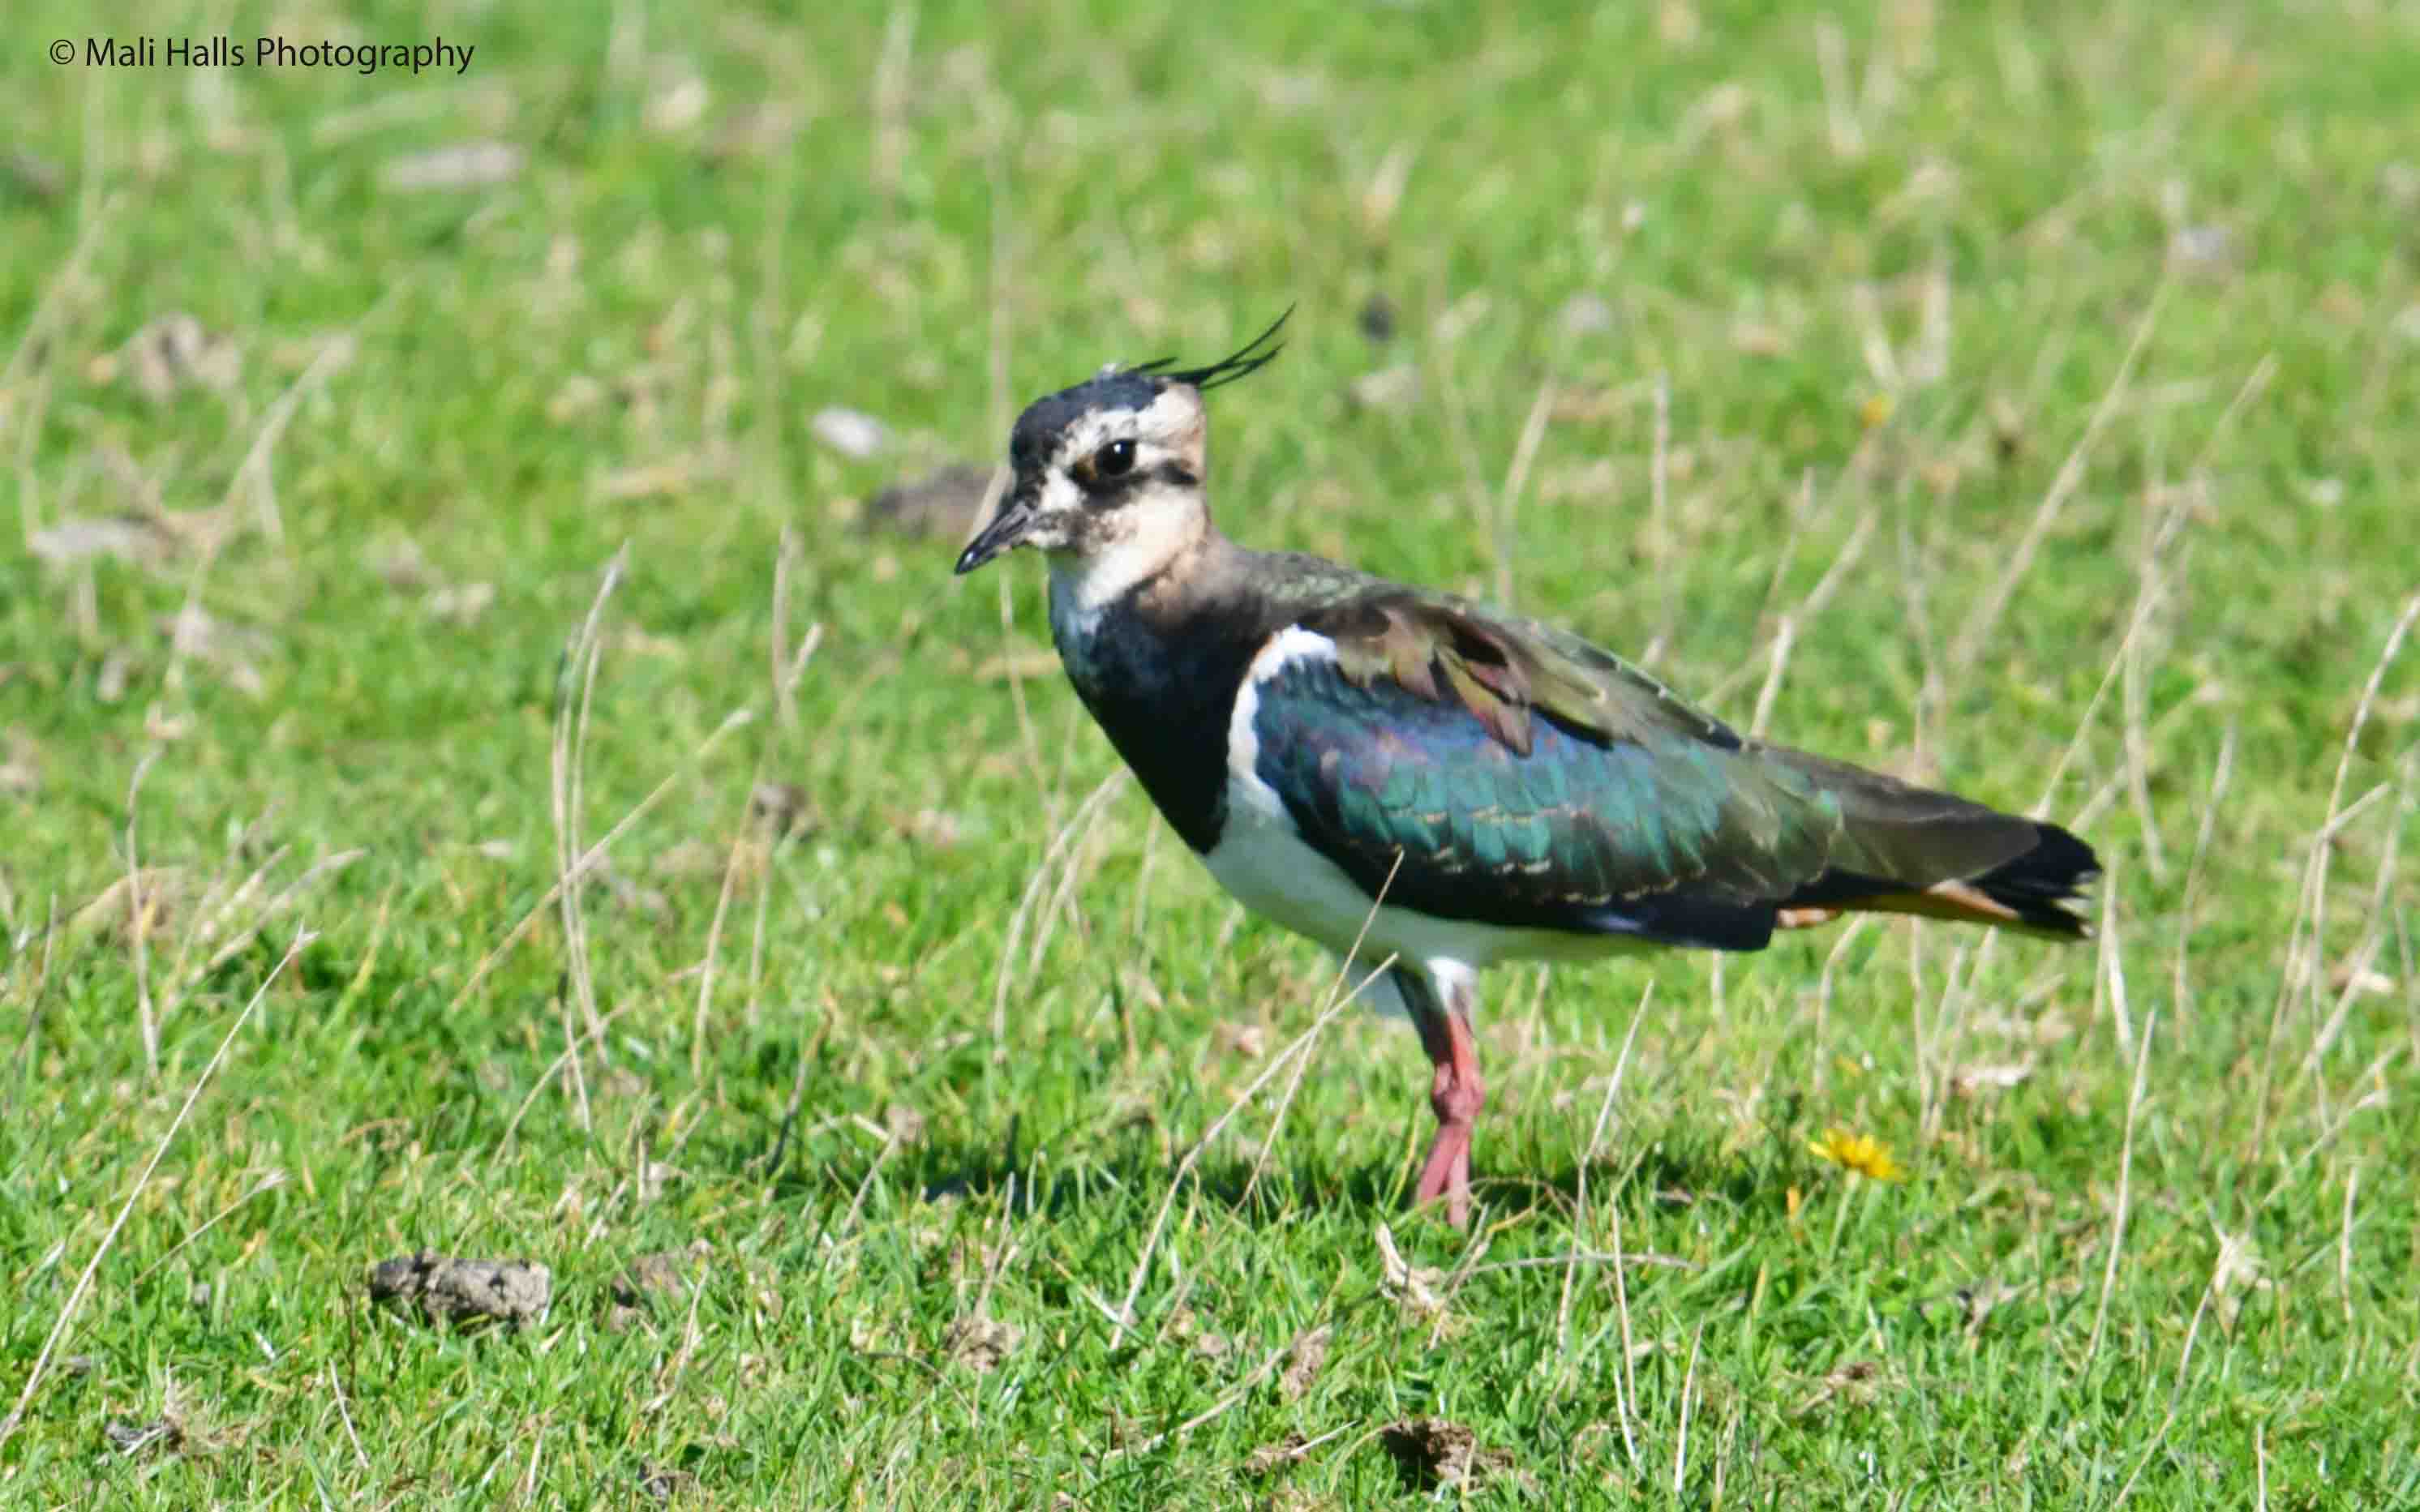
[(1862, 1154)]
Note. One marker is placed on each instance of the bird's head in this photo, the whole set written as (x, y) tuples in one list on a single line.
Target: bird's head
[(1108, 475)]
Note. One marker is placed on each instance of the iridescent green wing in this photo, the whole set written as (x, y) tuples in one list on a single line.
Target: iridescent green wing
[(1506, 773)]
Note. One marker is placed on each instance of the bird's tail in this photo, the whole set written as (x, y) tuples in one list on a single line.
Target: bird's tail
[(1915, 851)]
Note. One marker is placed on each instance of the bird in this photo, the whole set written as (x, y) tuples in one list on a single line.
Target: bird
[(1428, 786)]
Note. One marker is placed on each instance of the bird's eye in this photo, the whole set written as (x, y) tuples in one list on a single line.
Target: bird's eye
[(1114, 460)]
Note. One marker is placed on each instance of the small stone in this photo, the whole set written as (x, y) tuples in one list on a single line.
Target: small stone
[(2202, 248), (678, 108), (1586, 315), (461, 605), (467, 165), (2364, 980), (1377, 319), (850, 432), (72, 541), (1390, 387), (34, 176)]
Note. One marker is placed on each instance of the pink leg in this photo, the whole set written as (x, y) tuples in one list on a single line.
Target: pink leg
[(1456, 1093)]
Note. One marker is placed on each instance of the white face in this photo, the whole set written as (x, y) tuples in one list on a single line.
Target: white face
[(1119, 496), (1113, 466)]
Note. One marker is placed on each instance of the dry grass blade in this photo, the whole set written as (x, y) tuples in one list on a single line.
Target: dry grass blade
[(2125, 1183), (1517, 483), (141, 916), (1276, 1126), (1061, 842), (1971, 641), (714, 944), (334, 352), (2220, 776), (16, 1417), (1596, 1141), (1836, 576), (2356, 973), (569, 1057), (783, 554), (787, 673), (1223, 1405), (66, 291), (589, 860), (285, 899), (1027, 736), (1842, 130), (1338, 1002), (2112, 977), (569, 770), (345, 1413), (1338, 999), (266, 1183), (1625, 1405), (1832, 960), (1688, 1392), (2307, 945), (1659, 524)]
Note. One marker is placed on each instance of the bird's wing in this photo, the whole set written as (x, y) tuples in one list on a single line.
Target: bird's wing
[(1502, 772)]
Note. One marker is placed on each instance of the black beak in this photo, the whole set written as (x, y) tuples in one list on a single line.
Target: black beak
[(1006, 527)]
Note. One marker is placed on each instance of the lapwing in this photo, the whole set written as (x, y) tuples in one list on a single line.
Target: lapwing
[(1407, 776)]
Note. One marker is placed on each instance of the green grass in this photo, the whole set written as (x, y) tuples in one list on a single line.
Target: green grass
[(2038, 324)]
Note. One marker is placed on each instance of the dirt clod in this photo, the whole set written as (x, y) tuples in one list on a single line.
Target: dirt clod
[(980, 1343), (130, 1439), (175, 352), (446, 1289), (658, 1484), (665, 1273), (1270, 1457), (1304, 1363), (945, 502), (904, 1123), (1431, 1452), (780, 806)]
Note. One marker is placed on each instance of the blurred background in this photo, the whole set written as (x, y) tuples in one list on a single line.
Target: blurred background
[(376, 371), (410, 475)]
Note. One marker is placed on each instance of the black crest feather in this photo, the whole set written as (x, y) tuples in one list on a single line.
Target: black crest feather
[(1243, 362)]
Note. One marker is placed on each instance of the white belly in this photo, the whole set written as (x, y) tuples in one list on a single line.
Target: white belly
[(1265, 864)]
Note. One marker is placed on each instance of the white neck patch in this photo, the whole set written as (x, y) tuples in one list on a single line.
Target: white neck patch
[(1154, 529)]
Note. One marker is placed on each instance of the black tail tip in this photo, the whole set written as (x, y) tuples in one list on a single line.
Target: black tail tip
[(2039, 885)]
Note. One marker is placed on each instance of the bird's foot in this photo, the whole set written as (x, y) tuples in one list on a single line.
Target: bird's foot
[(1446, 1174), (1456, 1096)]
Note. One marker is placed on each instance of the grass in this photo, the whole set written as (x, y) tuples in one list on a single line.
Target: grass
[(2025, 398)]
